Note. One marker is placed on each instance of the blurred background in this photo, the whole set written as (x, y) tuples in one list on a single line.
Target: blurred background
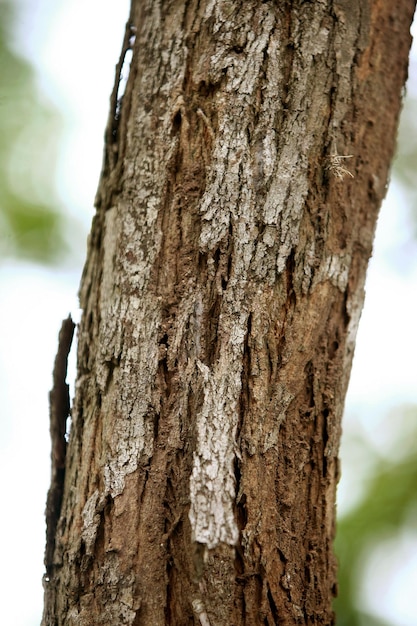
[(57, 62)]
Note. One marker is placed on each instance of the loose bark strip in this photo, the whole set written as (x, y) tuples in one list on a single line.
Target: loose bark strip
[(59, 406)]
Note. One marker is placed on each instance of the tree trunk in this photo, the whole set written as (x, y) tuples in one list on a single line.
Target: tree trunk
[(244, 168)]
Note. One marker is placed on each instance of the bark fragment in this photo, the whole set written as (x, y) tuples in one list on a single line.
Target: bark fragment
[(59, 407)]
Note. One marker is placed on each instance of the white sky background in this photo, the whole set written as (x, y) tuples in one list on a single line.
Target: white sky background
[(75, 45)]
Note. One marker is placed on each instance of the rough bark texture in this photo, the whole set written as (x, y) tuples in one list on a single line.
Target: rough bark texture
[(221, 297)]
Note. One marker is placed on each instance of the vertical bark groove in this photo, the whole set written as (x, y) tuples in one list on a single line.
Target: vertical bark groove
[(221, 297)]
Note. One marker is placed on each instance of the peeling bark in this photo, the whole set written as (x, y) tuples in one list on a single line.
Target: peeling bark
[(221, 297), (59, 403)]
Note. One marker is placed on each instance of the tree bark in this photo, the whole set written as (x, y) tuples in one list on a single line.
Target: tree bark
[(243, 172)]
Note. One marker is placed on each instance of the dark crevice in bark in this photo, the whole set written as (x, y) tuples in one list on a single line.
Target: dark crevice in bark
[(245, 399), (290, 273), (112, 365), (273, 606), (169, 591), (325, 434), (176, 125), (213, 315)]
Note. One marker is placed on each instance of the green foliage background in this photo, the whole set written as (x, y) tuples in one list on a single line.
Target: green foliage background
[(388, 503), (32, 221)]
